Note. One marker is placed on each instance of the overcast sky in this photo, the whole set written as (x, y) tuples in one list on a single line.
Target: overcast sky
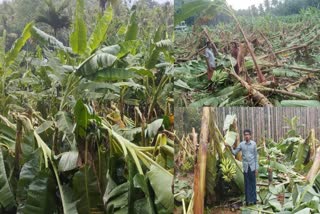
[(243, 4)]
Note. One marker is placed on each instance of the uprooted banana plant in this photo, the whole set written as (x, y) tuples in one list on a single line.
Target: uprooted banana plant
[(276, 69)]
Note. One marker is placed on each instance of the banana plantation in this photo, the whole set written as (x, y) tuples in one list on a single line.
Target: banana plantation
[(209, 178), (262, 60), (86, 115)]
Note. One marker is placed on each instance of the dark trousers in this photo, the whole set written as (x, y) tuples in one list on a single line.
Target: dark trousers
[(250, 186)]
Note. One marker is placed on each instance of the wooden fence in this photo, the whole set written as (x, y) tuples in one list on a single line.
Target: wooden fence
[(269, 122)]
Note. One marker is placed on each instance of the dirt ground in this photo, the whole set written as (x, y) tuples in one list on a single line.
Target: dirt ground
[(212, 211), (223, 211)]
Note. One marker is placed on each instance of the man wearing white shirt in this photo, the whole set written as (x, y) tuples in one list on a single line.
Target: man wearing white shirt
[(210, 59)]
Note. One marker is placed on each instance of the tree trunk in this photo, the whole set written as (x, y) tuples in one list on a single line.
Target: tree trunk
[(18, 149), (315, 167), (200, 167)]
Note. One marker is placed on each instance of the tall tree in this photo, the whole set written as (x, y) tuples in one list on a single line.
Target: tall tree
[(274, 3), (254, 10), (54, 16), (261, 10), (267, 5)]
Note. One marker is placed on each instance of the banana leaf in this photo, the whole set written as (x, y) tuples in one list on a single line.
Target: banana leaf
[(301, 156), (100, 31), (228, 121), (300, 103), (86, 190), (78, 37), (132, 28), (230, 137), (6, 195), (42, 186), (161, 184)]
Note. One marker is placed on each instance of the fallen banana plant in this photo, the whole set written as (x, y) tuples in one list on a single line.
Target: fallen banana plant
[(288, 179)]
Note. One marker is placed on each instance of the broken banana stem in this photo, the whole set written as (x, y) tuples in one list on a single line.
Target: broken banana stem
[(256, 95), (299, 96)]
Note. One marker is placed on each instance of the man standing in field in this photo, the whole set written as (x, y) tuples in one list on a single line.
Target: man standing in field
[(250, 166), (210, 59)]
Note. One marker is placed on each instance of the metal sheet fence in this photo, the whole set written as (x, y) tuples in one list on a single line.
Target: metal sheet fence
[(269, 122)]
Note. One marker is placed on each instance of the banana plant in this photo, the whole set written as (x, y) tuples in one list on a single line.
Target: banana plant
[(69, 137), (97, 151)]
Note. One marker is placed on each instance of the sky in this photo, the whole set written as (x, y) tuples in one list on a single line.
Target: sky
[(243, 4)]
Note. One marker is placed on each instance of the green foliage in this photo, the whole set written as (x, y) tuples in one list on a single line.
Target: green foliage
[(211, 173), (187, 166), (285, 73), (99, 33), (293, 122), (42, 187), (78, 38), (100, 60), (18, 45), (6, 194), (132, 29), (219, 77), (300, 103), (161, 46), (86, 189), (159, 182), (54, 16), (46, 39), (190, 9)]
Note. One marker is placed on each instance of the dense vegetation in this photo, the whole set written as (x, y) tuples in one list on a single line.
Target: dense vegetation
[(268, 7), (86, 107), (279, 7), (279, 55)]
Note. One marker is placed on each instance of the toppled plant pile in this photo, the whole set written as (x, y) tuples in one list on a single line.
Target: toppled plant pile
[(282, 70), (288, 180)]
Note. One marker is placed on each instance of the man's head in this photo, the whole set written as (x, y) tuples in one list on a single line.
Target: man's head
[(234, 44), (209, 45), (247, 134)]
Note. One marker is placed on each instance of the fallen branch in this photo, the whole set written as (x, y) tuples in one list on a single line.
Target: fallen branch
[(310, 70), (191, 56), (293, 47), (270, 47), (303, 69), (184, 148), (296, 84), (265, 89)]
